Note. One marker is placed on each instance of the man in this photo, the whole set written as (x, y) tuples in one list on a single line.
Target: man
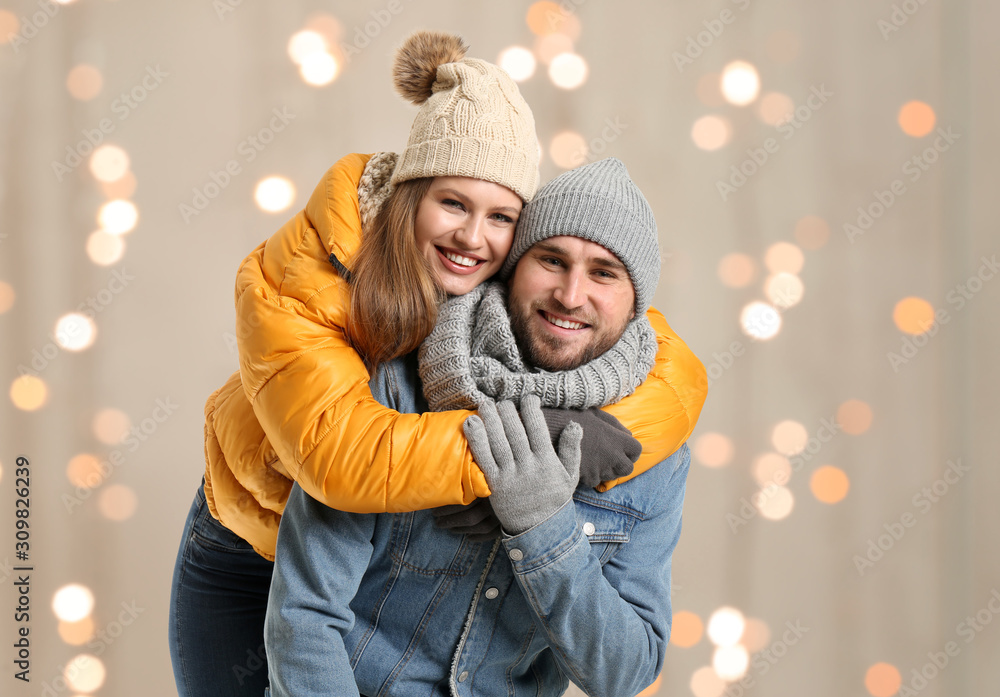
[(577, 586)]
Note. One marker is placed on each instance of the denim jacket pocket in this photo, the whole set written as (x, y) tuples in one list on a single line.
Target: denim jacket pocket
[(607, 525), (436, 554)]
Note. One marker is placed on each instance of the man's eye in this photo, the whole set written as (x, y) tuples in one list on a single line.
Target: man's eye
[(552, 261)]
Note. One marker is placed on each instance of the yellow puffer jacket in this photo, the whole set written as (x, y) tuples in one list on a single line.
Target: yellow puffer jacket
[(300, 407)]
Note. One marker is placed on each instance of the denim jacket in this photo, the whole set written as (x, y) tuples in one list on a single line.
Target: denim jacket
[(388, 604)]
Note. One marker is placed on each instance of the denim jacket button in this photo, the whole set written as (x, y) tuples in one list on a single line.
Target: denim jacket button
[(516, 554), (492, 593), (588, 529), (463, 676)]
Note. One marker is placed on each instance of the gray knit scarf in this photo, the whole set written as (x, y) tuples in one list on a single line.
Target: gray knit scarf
[(471, 356)]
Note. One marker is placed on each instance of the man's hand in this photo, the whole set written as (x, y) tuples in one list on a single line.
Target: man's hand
[(477, 520), (608, 450), (528, 480)]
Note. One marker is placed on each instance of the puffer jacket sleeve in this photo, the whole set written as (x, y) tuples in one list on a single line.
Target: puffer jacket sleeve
[(663, 410), (309, 391)]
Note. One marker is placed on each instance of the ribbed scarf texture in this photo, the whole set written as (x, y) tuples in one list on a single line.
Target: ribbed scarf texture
[(471, 356)]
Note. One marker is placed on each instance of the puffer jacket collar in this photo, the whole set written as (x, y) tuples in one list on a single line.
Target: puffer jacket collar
[(347, 199)]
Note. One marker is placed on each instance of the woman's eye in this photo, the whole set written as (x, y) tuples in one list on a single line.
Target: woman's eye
[(505, 219), (452, 203)]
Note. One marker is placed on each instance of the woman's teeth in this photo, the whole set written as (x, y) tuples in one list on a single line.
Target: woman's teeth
[(565, 324), (460, 260)]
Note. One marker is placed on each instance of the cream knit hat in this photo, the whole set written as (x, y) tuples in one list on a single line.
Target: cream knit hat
[(473, 121)]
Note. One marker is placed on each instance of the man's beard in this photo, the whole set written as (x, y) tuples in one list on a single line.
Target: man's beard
[(540, 349)]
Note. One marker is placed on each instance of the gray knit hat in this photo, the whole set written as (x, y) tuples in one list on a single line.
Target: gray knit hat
[(600, 203)]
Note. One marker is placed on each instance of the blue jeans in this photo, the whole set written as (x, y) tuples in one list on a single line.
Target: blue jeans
[(217, 603)]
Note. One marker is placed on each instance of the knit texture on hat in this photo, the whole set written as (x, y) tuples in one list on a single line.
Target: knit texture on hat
[(474, 123), (472, 356), (600, 203)]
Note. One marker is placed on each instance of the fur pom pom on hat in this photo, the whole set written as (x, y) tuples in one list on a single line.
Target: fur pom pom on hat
[(473, 121)]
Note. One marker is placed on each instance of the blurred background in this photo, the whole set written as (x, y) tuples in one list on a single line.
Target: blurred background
[(822, 176)]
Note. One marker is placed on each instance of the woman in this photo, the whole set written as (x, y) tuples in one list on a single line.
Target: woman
[(438, 219)]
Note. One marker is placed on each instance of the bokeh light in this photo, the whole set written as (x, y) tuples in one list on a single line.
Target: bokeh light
[(9, 25), (913, 315), (774, 108), (771, 468), (109, 163), (75, 331), (854, 416), (568, 71), (883, 680), (568, 149), (305, 43), (740, 83), (916, 118), (760, 320), (775, 502), (28, 392), (118, 217), (731, 662), (105, 249), (72, 602), (544, 17), (784, 290), (319, 69), (725, 626), (7, 296), (77, 633), (709, 90), (551, 45), (84, 82), (789, 437), (686, 629), (120, 188), (756, 635), (326, 25), (736, 270), (652, 689), (784, 256), (829, 484), (713, 449), (706, 683), (811, 232), (518, 61), (111, 425), (85, 471), (84, 673), (117, 502), (710, 132), (274, 194)]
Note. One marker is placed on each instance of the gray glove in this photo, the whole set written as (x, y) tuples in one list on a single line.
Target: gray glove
[(528, 481), (477, 520), (608, 450)]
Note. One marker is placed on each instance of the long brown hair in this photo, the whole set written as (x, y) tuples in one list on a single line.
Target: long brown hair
[(394, 294)]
